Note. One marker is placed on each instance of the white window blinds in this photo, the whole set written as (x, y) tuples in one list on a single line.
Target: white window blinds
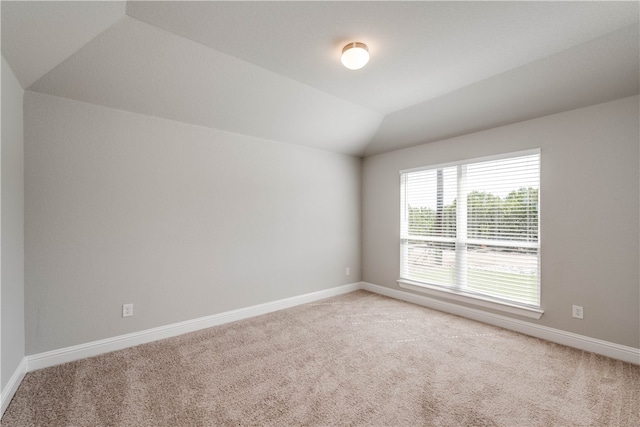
[(474, 227)]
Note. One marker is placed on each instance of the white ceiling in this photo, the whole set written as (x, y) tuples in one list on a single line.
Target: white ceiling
[(272, 69), (37, 36), (600, 70)]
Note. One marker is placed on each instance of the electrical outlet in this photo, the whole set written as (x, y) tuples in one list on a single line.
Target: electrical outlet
[(348, 271), (578, 312), (127, 310)]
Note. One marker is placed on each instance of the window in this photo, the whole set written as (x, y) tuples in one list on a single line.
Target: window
[(473, 228)]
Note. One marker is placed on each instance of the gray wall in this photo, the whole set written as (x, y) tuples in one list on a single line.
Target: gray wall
[(182, 221), (12, 213), (589, 212)]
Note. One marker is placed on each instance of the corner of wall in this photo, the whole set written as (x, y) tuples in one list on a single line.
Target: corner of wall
[(12, 331)]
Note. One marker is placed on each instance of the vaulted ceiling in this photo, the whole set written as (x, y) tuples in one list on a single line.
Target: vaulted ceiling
[(272, 69)]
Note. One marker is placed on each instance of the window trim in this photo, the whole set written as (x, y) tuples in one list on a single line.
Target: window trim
[(473, 160), (473, 299), (458, 294)]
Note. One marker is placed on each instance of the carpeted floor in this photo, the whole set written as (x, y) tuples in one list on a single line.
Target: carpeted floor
[(356, 359)]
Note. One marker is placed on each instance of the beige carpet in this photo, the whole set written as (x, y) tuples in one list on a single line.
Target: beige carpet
[(357, 359)]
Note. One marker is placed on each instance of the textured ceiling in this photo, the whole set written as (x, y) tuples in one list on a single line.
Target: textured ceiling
[(272, 69)]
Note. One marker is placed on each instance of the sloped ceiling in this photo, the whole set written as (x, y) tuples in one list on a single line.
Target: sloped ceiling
[(272, 69), (37, 36), (138, 67)]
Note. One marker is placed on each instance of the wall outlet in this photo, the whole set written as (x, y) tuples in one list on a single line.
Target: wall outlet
[(577, 311), (127, 310), (348, 271)]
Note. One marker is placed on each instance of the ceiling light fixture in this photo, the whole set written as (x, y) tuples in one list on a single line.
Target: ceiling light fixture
[(355, 55)]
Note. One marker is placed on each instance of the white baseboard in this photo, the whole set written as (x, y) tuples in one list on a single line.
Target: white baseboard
[(582, 342), (94, 348), (12, 386)]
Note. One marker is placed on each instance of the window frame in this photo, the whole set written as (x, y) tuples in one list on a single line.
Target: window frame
[(455, 292)]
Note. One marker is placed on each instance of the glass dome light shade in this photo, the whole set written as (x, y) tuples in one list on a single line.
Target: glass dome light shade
[(355, 55)]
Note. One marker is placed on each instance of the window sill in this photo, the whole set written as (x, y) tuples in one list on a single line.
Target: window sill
[(532, 313)]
